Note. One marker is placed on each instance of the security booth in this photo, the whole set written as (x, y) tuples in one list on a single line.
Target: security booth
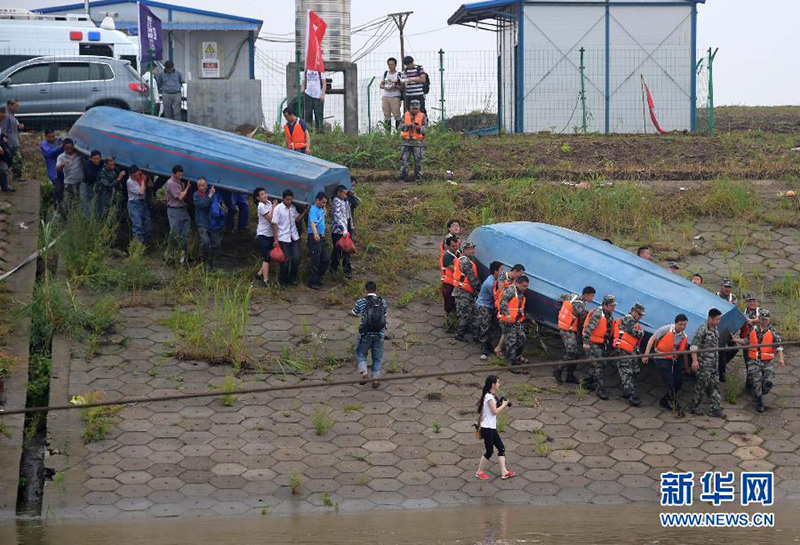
[(587, 65)]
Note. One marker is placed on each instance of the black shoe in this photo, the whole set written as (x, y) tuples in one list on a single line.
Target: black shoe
[(601, 393), (634, 400), (664, 402), (766, 387), (10, 190), (760, 408), (461, 338), (572, 379), (557, 375), (717, 413)]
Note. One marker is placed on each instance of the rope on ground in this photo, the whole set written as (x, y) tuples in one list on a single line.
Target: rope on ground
[(28, 259), (350, 382)]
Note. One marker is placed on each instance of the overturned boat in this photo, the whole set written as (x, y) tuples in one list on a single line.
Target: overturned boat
[(559, 260), (226, 160)]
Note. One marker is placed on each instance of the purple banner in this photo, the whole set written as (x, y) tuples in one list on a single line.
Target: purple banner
[(150, 46)]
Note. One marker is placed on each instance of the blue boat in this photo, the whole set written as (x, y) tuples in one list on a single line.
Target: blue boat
[(226, 160), (559, 260)]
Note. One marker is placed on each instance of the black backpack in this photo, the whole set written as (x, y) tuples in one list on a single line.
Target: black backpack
[(426, 85), (374, 315)]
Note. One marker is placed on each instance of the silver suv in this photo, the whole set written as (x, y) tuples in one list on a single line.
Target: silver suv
[(57, 90)]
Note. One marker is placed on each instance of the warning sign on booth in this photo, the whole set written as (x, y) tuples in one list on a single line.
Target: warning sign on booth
[(210, 61)]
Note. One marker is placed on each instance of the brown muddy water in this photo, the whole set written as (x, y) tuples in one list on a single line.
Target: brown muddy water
[(483, 525)]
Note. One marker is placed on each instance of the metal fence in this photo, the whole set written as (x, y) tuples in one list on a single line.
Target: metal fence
[(470, 91)]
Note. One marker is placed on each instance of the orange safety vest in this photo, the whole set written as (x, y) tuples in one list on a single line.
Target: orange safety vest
[(461, 279), (498, 292), (667, 344), (296, 137), (448, 276), (418, 119), (598, 335), (625, 341), (567, 321), (763, 353), (516, 310)]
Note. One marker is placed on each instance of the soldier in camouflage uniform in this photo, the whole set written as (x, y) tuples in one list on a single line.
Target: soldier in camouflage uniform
[(513, 331), (465, 301), (629, 343), (706, 365), (600, 348), (725, 357), (758, 362), (573, 349)]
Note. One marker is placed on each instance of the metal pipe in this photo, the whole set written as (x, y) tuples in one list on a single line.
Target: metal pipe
[(369, 105), (583, 90), (442, 117)]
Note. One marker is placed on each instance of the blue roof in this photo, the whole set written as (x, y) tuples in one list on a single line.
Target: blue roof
[(133, 26), (503, 9), (173, 7)]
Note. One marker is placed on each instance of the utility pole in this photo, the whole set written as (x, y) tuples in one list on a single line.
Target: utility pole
[(400, 20)]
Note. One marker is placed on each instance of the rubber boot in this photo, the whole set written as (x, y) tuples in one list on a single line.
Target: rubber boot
[(557, 374)]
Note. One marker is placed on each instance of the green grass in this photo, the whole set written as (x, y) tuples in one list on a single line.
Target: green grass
[(353, 408), (734, 383), (98, 420), (502, 422), (541, 442), (323, 421), (295, 481), (229, 384), (526, 395), (437, 427)]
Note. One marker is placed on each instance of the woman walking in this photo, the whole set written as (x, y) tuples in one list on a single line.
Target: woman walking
[(487, 416)]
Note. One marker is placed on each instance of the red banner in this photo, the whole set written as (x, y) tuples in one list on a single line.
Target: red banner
[(652, 107), (316, 31)]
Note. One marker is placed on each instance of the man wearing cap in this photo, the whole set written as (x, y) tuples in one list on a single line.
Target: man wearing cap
[(626, 343), (512, 317), (466, 290), (705, 365), (751, 313), (725, 340), (758, 362), (673, 267), (598, 337), (170, 83), (413, 135), (414, 80), (571, 318)]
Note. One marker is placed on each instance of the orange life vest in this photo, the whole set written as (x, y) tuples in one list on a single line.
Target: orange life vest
[(598, 335), (417, 134), (667, 344), (516, 310), (499, 288), (763, 353), (461, 279), (296, 138), (567, 321), (625, 341), (448, 275)]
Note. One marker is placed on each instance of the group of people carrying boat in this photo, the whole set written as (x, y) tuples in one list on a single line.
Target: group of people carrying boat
[(494, 312)]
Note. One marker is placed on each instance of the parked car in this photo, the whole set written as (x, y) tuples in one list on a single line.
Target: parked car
[(58, 90)]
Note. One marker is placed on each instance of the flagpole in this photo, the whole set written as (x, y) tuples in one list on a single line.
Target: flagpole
[(151, 66)]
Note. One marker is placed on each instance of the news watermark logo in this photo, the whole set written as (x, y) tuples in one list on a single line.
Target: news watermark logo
[(717, 488)]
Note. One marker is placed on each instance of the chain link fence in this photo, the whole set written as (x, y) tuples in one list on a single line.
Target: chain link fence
[(470, 91)]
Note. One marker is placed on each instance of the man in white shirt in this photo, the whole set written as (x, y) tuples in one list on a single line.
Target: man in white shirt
[(285, 218), (392, 91), (314, 95)]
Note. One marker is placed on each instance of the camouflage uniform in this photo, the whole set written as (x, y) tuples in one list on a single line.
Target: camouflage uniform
[(629, 369), (707, 381), (571, 339), (465, 301), (749, 314), (761, 373), (514, 333), (485, 324), (598, 350)]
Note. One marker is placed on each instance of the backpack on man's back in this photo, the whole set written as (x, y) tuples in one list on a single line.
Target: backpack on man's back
[(374, 315)]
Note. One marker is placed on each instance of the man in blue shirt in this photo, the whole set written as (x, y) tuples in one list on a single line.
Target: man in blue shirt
[(486, 314), (317, 245), (51, 148)]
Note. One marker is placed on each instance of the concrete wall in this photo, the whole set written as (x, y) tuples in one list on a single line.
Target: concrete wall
[(224, 104)]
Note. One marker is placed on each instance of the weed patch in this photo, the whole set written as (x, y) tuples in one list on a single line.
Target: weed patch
[(98, 420), (323, 421)]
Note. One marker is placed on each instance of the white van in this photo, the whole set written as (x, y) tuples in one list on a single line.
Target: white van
[(25, 35)]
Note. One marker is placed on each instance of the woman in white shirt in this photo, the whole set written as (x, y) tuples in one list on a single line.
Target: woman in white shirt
[(265, 237), (487, 414)]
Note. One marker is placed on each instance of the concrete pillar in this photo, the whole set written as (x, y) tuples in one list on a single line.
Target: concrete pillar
[(350, 90)]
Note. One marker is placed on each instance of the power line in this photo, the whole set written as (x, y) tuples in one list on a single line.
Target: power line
[(350, 382)]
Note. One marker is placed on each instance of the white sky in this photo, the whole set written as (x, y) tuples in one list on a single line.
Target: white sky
[(754, 66)]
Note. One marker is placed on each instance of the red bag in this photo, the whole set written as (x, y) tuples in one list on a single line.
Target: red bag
[(276, 254), (346, 245)]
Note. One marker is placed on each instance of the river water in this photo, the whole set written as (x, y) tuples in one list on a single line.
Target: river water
[(484, 525)]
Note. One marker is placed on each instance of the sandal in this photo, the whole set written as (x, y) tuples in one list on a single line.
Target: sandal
[(507, 475), (364, 377), (482, 476), (376, 383)]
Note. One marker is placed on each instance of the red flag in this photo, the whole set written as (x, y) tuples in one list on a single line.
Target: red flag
[(315, 33), (652, 107)]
